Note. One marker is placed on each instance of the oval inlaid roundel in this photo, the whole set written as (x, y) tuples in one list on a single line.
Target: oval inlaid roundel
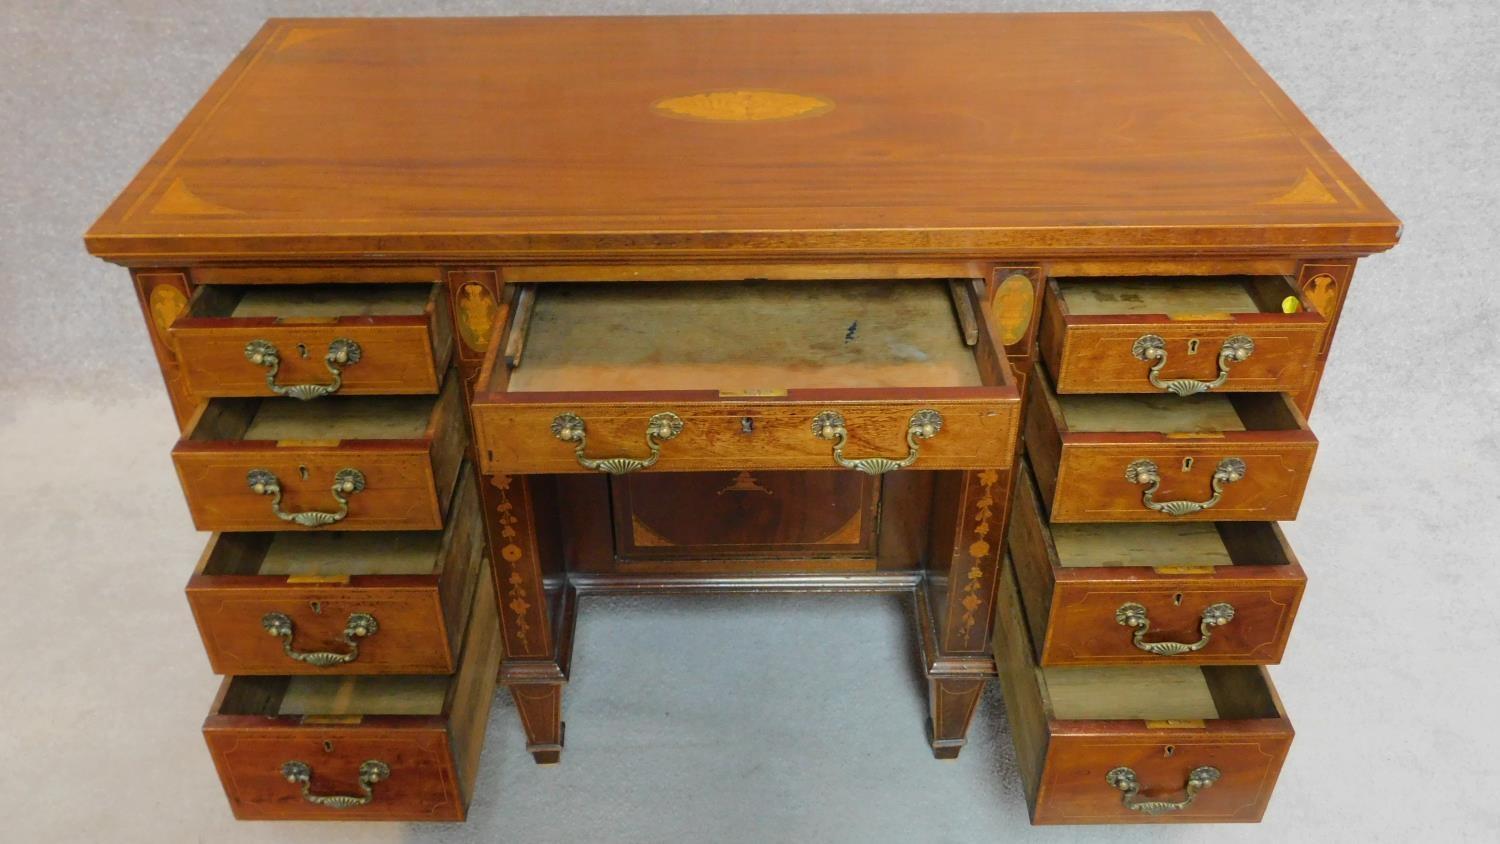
[(742, 106), (1014, 301)]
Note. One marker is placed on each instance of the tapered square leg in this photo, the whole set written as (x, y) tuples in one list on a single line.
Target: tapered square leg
[(950, 706), (540, 708)]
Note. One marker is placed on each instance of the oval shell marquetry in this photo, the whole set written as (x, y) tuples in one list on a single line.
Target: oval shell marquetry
[(1015, 301), (167, 303), (1322, 291), (742, 106), (476, 315)]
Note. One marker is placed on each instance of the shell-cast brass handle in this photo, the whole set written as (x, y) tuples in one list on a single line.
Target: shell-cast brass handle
[(1153, 350), (1134, 616), (346, 483), (341, 353), (1229, 470), (370, 773), (923, 425), (569, 428), (359, 625), (1125, 780)]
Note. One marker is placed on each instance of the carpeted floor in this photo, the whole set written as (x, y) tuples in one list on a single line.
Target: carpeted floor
[(754, 718)]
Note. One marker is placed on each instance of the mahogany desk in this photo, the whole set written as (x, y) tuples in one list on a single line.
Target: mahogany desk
[(462, 318)]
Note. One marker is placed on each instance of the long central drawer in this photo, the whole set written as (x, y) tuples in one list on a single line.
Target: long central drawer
[(745, 375)]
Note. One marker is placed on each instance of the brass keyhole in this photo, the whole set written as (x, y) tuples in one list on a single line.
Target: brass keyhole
[(327, 747), (316, 606), (1177, 600), (747, 425), (302, 470), (1168, 751), (1187, 464), (1193, 347), (302, 350)]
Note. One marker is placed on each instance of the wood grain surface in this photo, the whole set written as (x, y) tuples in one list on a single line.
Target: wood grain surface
[(1119, 132)]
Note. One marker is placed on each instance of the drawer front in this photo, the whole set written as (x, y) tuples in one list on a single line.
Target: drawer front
[(1092, 358), (421, 785), (399, 622), (1077, 771), (413, 767), (371, 355), (1084, 620), (1094, 481), (401, 486), (518, 437), (1189, 349), (1076, 789)]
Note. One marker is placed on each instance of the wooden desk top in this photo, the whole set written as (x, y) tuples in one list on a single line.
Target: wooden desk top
[(689, 138)]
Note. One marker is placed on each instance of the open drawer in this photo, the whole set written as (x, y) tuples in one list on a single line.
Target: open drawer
[(1121, 593), (359, 747), (1208, 457), (357, 462), (1176, 743), (311, 340), (341, 602), (1180, 335), (702, 376)]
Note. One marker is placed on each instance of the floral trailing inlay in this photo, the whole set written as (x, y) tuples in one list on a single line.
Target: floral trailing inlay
[(979, 550), (512, 554)]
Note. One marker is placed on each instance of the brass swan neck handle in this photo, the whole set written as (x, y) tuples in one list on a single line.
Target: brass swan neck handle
[(923, 425), (341, 353), (1152, 349), (346, 482), (570, 428), (1230, 470), (1134, 616), (359, 625), (371, 772), (1129, 785)]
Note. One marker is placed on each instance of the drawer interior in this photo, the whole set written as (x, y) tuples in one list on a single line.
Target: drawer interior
[(1111, 544), (1157, 693), (330, 417), (1179, 296), (1205, 413), (272, 554), (744, 336), (321, 696), (310, 301)]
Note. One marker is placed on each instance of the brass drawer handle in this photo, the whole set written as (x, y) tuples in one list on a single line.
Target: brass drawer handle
[(1125, 780), (370, 773), (569, 428), (346, 483), (1152, 349), (923, 425), (1134, 616), (341, 353), (359, 625), (1229, 470)]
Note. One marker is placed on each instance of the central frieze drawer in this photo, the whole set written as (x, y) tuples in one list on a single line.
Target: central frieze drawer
[(697, 376)]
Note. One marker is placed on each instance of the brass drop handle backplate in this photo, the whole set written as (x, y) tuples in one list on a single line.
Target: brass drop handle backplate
[(1229, 470), (1152, 349), (371, 772), (1134, 616), (923, 425), (1124, 779), (341, 353), (570, 428), (346, 482), (359, 625)]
